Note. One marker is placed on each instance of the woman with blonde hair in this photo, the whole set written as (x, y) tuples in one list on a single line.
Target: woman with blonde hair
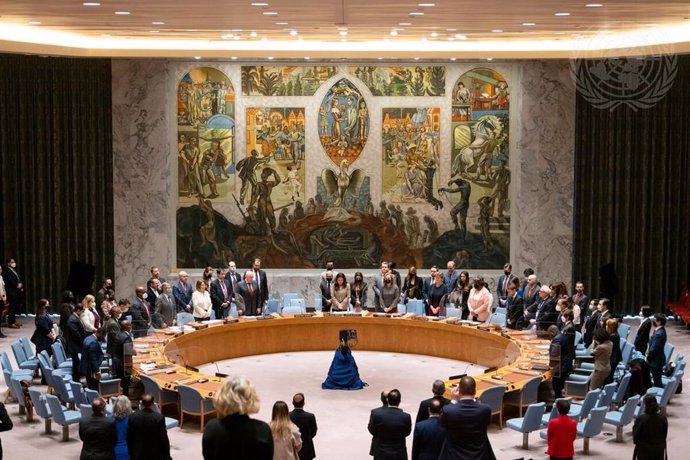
[(89, 317), (287, 440), (121, 412), (233, 430)]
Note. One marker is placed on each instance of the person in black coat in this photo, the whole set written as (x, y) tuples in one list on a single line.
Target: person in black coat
[(374, 439), (590, 323), (325, 286), (656, 358), (233, 431), (560, 355), (262, 281), (14, 286), (74, 336), (43, 336), (642, 336), (122, 348), (438, 388), (649, 432), (306, 422), (147, 436), (429, 434), (466, 423), (391, 426), (546, 313), (515, 306), (92, 358), (98, 434), (221, 294), (5, 423)]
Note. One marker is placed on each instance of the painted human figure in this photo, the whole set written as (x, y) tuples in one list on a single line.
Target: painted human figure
[(264, 205), (430, 170), (246, 168), (363, 115), (292, 180), (459, 212), (485, 207)]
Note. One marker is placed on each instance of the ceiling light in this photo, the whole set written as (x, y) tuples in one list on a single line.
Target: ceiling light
[(497, 31), (380, 58), (561, 14), (416, 59), (452, 59), (306, 58), (343, 39), (293, 32), (461, 36), (259, 4), (157, 23), (122, 13), (342, 27), (489, 59), (35, 23), (385, 39), (529, 23), (451, 39), (106, 35), (270, 58), (424, 5), (235, 30), (343, 33), (394, 33), (594, 5), (281, 23), (253, 34), (300, 39), (227, 36), (197, 57), (234, 58), (270, 13), (91, 4), (154, 31), (417, 13), (434, 34)]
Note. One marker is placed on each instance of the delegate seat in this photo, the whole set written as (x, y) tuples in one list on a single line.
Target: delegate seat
[(192, 403), (41, 408), (62, 418), (529, 423), (493, 397), (623, 417), (525, 396)]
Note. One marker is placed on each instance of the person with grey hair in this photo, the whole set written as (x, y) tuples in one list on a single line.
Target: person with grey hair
[(182, 292), (438, 388), (234, 431), (121, 411), (248, 296), (98, 433), (165, 308)]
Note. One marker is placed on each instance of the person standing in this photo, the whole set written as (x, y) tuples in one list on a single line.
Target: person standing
[(201, 302), (91, 359), (44, 335), (429, 434), (561, 433), (5, 423), (74, 336), (165, 306), (247, 297), (14, 287), (515, 306), (479, 301), (3, 301), (503, 282), (182, 292), (98, 433), (466, 422), (306, 422), (262, 281), (649, 431), (602, 347), (450, 277), (438, 388), (325, 286), (384, 403), (642, 336), (656, 358), (287, 441), (390, 425), (147, 436), (121, 411), (221, 294), (122, 347)]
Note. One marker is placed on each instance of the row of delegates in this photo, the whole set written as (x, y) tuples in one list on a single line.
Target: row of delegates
[(339, 295)]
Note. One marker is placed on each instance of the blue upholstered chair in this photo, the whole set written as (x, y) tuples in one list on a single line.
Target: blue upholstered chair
[(622, 417), (621, 391), (668, 351), (591, 426), (493, 397), (192, 403), (497, 318), (62, 418), (273, 306), (607, 395), (161, 397), (292, 310), (77, 393), (85, 410), (28, 349), (20, 356), (529, 423), (288, 296), (546, 418), (41, 408), (184, 318), (452, 312), (581, 411), (623, 330), (61, 359), (7, 366), (525, 396)]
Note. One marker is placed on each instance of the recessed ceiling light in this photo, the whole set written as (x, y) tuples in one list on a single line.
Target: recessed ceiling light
[(594, 5), (416, 59), (306, 58), (405, 24), (197, 57), (452, 59), (559, 33), (529, 23), (91, 4), (385, 39), (489, 59), (253, 34), (270, 58), (434, 34), (234, 58), (35, 23), (122, 13), (154, 31), (293, 32), (394, 33), (423, 39), (106, 35), (342, 27), (157, 23), (343, 33), (561, 14), (259, 4), (281, 23), (227, 36), (300, 39), (461, 36), (425, 5), (380, 58), (270, 13), (497, 31), (417, 13)]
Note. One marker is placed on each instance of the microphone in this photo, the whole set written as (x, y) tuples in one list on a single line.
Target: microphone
[(219, 374), (184, 362), (459, 376)]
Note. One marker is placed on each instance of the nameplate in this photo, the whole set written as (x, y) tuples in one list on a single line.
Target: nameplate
[(230, 320), (264, 318), (197, 326), (421, 318), (303, 315)]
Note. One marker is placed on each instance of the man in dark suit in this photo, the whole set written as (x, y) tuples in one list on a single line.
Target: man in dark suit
[(466, 422), (391, 426), (233, 276), (656, 358), (75, 335), (503, 281), (428, 281), (155, 275), (451, 276), (438, 388), (580, 298), (91, 358), (642, 336), (141, 315), (604, 313), (14, 287), (122, 350), (100, 295), (561, 357), (515, 307), (262, 282), (154, 290), (98, 433), (428, 434), (530, 295), (147, 436), (248, 296), (182, 292), (221, 294), (306, 422), (325, 288), (374, 439), (546, 313)]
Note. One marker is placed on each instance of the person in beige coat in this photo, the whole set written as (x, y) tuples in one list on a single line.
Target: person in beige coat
[(287, 440), (602, 347)]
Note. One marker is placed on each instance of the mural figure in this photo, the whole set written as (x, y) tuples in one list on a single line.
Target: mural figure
[(246, 170), (459, 212), (402, 80), (344, 122), (342, 182), (284, 81)]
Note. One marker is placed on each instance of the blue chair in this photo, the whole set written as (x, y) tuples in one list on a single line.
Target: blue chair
[(192, 403), (501, 310), (287, 297), (546, 418), (20, 356), (17, 393), (416, 306), (63, 392), (679, 367), (28, 349), (493, 397), (525, 396), (318, 303), (273, 306), (41, 409), (623, 417), (529, 423), (668, 351), (61, 359), (109, 388), (452, 312), (606, 397), (667, 393), (46, 364), (497, 318), (170, 422), (291, 310), (184, 318), (591, 427), (7, 365), (298, 303), (77, 393), (161, 397), (576, 386), (62, 418), (90, 395), (622, 390), (623, 330), (581, 411), (579, 344), (85, 410)]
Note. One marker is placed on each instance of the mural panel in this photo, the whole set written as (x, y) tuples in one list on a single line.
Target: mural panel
[(402, 80), (343, 122), (284, 80)]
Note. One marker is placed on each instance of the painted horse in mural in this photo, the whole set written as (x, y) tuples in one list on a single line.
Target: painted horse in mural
[(487, 138)]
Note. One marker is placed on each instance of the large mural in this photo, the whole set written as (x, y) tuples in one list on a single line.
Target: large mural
[(428, 205), (284, 80), (402, 80)]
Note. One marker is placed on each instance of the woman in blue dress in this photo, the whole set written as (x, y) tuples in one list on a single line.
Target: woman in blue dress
[(121, 411)]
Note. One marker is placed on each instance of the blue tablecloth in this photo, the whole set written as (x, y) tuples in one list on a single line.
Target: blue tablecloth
[(343, 374)]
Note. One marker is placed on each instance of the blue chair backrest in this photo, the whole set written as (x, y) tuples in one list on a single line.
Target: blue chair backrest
[(289, 296), (55, 409), (60, 388), (39, 402), (190, 398), (298, 303), (318, 303), (86, 410), (58, 352), (532, 419), (90, 395), (416, 306), (5, 361), (501, 310), (273, 306), (184, 318), (493, 397), (623, 330), (77, 392), (668, 351), (554, 409), (292, 309), (669, 390), (452, 312), (626, 352), (28, 351), (607, 396), (530, 390), (594, 422), (18, 351), (578, 338), (150, 386), (497, 318), (622, 389), (589, 403), (16, 389), (628, 411)]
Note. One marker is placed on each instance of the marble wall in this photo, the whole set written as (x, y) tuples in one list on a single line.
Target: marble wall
[(542, 161)]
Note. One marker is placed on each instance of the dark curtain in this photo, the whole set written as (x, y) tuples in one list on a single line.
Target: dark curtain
[(632, 197), (56, 169)]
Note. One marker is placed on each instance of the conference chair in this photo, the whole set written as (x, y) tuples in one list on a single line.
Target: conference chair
[(621, 392), (184, 318), (273, 306), (452, 312), (546, 418), (45, 361), (497, 318), (678, 368), (85, 410), (20, 356), (416, 306), (668, 351), (581, 411), (606, 397), (623, 417), (667, 393), (109, 388), (576, 386), (192, 403), (298, 303), (161, 397), (63, 393), (623, 330), (288, 296), (77, 393), (17, 391), (61, 359), (318, 303), (501, 310), (90, 395), (529, 423), (170, 422), (493, 397), (525, 396), (28, 349), (591, 426), (291, 310), (7, 366), (41, 408), (62, 418)]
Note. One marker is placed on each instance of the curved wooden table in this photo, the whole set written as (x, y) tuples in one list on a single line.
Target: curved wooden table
[(513, 353)]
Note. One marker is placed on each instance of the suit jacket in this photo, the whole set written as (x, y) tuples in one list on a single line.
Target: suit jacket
[(147, 436), (391, 426), (326, 294), (165, 308), (649, 436), (428, 439), (245, 438), (306, 422), (151, 297), (451, 279), (99, 435), (642, 336), (466, 439), (112, 327), (546, 314), (560, 354), (263, 287), (414, 290), (183, 296), (44, 325), (122, 346), (75, 334), (560, 436), (423, 411), (515, 308), (251, 302), (502, 294), (139, 318), (217, 296), (655, 355), (531, 299), (425, 287), (234, 278), (590, 324), (91, 356), (12, 279), (374, 439)]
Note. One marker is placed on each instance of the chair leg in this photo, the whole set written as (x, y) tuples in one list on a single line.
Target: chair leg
[(201, 424), (525, 441), (29, 415), (619, 434), (48, 426), (22, 410), (585, 446), (65, 433), (181, 418)]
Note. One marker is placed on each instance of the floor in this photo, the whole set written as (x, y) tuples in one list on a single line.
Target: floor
[(342, 415)]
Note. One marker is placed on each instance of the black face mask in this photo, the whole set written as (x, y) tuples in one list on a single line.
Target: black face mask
[(358, 279), (329, 280)]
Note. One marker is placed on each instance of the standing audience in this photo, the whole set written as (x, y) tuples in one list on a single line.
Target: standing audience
[(649, 432), (147, 436), (438, 388), (121, 411), (306, 422), (390, 426), (98, 433), (656, 358), (601, 350), (642, 336), (287, 441), (201, 302), (74, 336), (429, 434), (479, 301)]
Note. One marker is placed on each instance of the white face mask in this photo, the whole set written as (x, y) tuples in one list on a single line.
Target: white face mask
[(558, 308), (592, 306), (144, 296), (13, 265)]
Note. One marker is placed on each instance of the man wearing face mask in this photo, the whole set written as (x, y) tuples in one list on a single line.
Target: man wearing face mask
[(141, 317), (14, 287), (604, 313), (233, 276), (100, 295), (164, 313), (546, 313), (325, 286), (153, 292), (330, 266), (655, 356), (503, 282), (591, 322)]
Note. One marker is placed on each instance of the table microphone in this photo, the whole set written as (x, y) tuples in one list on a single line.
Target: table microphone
[(219, 374)]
